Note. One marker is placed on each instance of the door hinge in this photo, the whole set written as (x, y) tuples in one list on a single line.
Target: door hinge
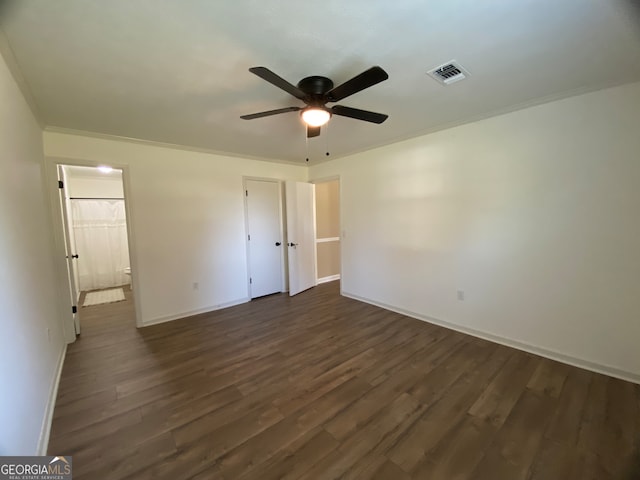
[(60, 184), (249, 237), (246, 193), (74, 309), (250, 280)]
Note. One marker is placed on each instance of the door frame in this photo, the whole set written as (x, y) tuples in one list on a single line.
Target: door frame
[(65, 206), (283, 232), (332, 178), (64, 289)]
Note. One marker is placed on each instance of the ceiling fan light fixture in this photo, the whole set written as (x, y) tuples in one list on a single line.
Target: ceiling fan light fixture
[(316, 92), (315, 117)]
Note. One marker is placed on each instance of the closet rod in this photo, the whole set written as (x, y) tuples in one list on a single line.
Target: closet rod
[(95, 198)]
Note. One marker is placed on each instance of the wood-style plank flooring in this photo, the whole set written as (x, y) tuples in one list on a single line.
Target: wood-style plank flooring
[(320, 386)]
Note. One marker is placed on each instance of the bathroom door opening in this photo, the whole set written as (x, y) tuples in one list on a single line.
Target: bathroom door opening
[(96, 236)]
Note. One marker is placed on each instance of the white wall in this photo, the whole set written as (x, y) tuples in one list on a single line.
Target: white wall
[(187, 220), (29, 358), (103, 185), (534, 214)]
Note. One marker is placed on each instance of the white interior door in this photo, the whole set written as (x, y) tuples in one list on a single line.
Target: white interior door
[(265, 243), (301, 233), (70, 253)]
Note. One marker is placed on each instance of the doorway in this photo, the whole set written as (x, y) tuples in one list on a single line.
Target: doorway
[(328, 245), (95, 229)]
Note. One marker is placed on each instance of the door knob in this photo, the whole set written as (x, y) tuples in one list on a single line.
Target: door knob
[(74, 256), (278, 244), (293, 244)]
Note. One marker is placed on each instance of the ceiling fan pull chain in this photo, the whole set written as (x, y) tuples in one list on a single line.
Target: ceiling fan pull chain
[(326, 136), (306, 140)]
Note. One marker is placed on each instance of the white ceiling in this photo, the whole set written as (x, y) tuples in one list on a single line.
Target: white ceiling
[(176, 71)]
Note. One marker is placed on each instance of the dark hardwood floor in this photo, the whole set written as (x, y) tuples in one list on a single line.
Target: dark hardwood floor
[(318, 387)]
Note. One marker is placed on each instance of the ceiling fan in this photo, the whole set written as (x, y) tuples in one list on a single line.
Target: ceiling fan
[(316, 92)]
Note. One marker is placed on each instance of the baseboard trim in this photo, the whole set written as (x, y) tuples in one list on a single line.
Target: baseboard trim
[(330, 278), (509, 342), (45, 431), (178, 316)]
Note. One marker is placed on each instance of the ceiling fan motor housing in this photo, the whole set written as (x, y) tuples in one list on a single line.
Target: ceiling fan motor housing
[(315, 87)]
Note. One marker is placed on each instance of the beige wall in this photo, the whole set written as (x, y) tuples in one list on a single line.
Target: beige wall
[(533, 214), (328, 259), (328, 209), (328, 226)]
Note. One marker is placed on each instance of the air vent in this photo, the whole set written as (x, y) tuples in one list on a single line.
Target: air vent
[(449, 73)]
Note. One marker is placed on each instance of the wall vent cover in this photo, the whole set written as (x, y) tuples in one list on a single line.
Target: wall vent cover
[(449, 73)]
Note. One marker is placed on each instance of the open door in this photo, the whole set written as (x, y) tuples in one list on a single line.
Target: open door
[(301, 225), (69, 249)]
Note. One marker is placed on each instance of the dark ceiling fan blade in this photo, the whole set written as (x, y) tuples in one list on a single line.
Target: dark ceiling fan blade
[(358, 114), (269, 113), (313, 131), (266, 74), (366, 79)]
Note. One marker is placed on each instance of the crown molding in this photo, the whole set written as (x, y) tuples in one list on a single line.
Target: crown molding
[(173, 146)]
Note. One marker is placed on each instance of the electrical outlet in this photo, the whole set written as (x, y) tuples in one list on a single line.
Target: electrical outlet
[(461, 295), (196, 286)]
